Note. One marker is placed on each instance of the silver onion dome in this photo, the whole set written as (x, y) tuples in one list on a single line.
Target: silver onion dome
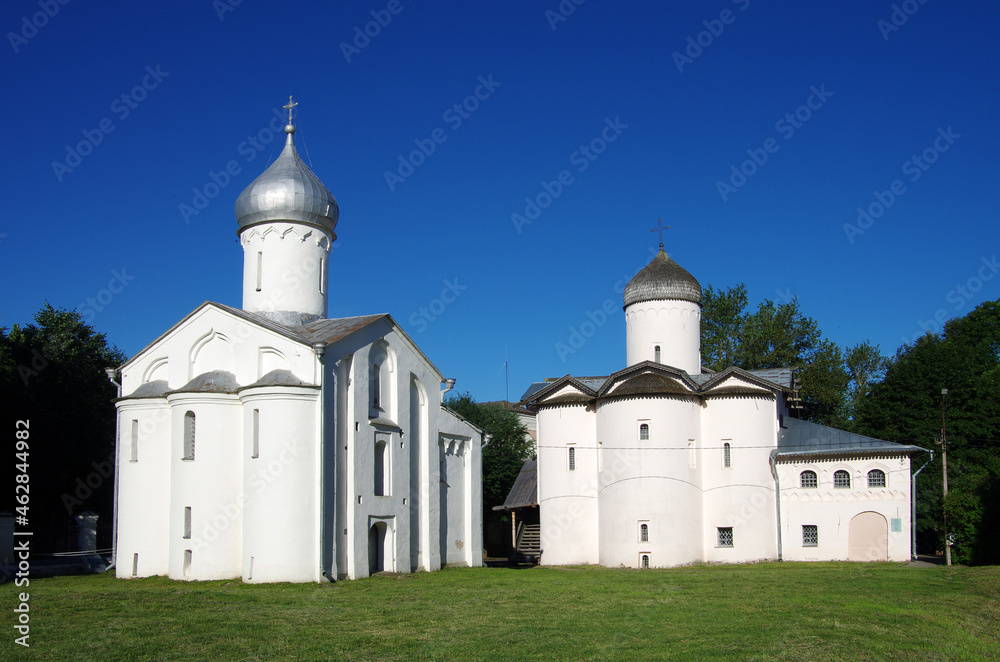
[(287, 191), (662, 279)]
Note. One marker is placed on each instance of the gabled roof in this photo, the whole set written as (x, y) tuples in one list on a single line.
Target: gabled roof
[(648, 377), (524, 492), (586, 393), (744, 383), (804, 438)]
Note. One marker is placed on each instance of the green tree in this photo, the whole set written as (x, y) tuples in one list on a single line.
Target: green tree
[(906, 406), (506, 452), (774, 336), (52, 375)]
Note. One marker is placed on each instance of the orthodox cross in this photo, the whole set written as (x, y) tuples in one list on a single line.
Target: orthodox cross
[(660, 227), (291, 104)]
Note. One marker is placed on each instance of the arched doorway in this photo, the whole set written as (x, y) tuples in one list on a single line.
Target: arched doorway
[(379, 548), (868, 538)]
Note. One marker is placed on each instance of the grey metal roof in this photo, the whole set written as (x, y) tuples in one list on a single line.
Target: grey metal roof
[(797, 437), (278, 378), (216, 381), (287, 191), (332, 330), (780, 376), (661, 279), (524, 492)]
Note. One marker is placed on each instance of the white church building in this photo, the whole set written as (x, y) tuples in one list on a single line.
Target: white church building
[(663, 463), (271, 443)]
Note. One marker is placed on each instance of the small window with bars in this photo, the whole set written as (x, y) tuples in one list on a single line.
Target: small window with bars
[(572, 458), (725, 536), (644, 432), (808, 479), (810, 535), (644, 533), (876, 478), (842, 480), (645, 560), (727, 455)]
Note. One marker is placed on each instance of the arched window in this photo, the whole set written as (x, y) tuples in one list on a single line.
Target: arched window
[(644, 533), (727, 455), (656, 353), (876, 478), (808, 479), (644, 432), (381, 472), (842, 480), (188, 436), (645, 560), (572, 458)]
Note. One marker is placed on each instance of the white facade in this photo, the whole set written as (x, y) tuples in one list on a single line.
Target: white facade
[(660, 465), (273, 444)]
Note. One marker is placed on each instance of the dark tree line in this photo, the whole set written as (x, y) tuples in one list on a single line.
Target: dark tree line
[(52, 375)]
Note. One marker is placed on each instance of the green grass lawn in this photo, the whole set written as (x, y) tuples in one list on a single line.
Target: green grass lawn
[(788, 611)]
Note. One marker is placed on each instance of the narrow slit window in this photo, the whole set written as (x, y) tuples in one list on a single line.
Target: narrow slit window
[(134, 455), (255, 441), (187, 522), (656, 353), (260, 268), (644, 432), (322, 268), (187, 562), (135, 565), (644, 533), (188, 436), (727, 455), (381, 451), (376, 386), (572, 458)]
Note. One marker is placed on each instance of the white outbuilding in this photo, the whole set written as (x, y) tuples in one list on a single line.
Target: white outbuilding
[(663, 464), (272, 443)]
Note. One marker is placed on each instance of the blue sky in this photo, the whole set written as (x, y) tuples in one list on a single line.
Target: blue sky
[(607, 116)]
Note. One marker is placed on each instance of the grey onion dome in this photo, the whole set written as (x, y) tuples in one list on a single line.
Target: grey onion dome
[(662, 279), (287, 191)]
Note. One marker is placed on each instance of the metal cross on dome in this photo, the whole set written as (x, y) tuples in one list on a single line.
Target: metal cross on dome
[(660, 227), (291, 104)]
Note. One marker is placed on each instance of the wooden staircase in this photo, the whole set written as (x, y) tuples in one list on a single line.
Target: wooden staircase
[(528, 549)]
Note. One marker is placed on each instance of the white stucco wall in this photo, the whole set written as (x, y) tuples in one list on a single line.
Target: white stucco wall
[(280, 490), (654, 481), (294, 263), (832, 509), (567, 498), (143, 512), (673, 325), (742, 495)]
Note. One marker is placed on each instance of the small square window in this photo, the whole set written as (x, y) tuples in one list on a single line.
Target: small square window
[(810, 535), (725, 536)]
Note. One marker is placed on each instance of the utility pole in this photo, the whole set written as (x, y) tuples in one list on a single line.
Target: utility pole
[(944, 480)]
